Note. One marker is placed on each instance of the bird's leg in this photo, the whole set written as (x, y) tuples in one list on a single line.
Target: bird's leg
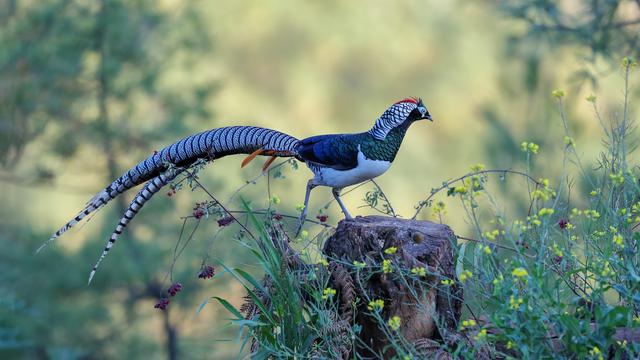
[(303, 215), (336, 194)]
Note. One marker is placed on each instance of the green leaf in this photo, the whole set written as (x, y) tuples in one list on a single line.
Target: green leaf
[(230, 307)]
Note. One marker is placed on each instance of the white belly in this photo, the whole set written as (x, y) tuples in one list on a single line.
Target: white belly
[(367, 169)]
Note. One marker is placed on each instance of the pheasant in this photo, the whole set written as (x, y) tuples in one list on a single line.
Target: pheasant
[(336, 160)]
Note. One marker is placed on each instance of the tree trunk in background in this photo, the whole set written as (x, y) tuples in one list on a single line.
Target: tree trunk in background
[(428, 309)]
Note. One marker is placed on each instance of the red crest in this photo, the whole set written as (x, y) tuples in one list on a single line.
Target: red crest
[(409, 100)]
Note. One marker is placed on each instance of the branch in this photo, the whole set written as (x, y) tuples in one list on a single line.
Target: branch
[(448, 183)]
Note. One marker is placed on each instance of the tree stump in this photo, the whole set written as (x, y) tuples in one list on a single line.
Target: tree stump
[(429, 310)]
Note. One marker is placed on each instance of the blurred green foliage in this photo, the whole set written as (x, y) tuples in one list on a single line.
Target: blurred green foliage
[(87, 88)]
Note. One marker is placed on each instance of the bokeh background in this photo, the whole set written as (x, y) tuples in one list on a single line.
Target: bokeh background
[(88, 88)]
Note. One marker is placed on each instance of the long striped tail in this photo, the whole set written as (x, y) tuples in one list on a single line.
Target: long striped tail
[(151, 187), (211, 144)]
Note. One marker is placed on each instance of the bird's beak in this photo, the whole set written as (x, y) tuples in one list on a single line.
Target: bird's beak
[(428, 117)]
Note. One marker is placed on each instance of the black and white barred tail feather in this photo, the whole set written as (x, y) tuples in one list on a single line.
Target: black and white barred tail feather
[(209, 144), (150, 188)]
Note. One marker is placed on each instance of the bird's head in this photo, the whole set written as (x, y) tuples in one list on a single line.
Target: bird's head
[(404, 112)]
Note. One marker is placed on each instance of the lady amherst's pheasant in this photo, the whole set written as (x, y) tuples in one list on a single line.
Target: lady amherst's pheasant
[(336, 160)]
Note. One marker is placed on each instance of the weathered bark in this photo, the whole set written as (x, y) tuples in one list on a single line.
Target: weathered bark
[(428, 309)]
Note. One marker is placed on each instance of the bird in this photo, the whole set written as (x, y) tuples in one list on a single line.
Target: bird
[(336, 161)]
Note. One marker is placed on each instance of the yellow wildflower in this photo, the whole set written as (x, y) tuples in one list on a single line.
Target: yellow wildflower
[(323, 261), (591, 98), (275, 199), (596, 353), (359, 265), (468, 323), (394, 322), (447, 282), (299, 207), (514, 303), (568, 140), (386, 266), (477, 167), (509, 344), (420, 271), (482, 335), (439, 208), (618, 240), (545, 211), (466, 274), (520, 273), (376, 305), (557, 93), (617, 179), (593, 193), (498, 280), (460, 190), (557, 251), (328, 293), (390, 250), (487, 250)]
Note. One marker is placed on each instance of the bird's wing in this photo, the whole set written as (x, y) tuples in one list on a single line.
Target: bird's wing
[(339, 152)]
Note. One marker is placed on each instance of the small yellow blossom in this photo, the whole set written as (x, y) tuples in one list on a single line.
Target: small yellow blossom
[(545, 212), (509, 344), (304, 234), (593, 193), (420, 271), (323, 262), (299, 207), (540, 194), (498, 280), (568, 140), (596, 353), (529, 147), (328, 293), (394, 322), (386, 266), (439, 208), (460, 190), (618, 240), (491, 235), (466, 274), (390, 250), (359, 265), (482, 335), (557, 251), (477, 167), (446, 282), (617, 179), (629, 62), (467, 324), (557, 93), (275, 199), (376, 305), (487, 250), (591, 98), (607, 270), (514, 303), (520, 273)]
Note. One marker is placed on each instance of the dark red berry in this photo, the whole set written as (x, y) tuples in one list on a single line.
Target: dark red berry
[(174, 289), (277, 217), (225, 221), (198, 213), (206, 272), (162, 304), (323, 218), (562, 223)]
